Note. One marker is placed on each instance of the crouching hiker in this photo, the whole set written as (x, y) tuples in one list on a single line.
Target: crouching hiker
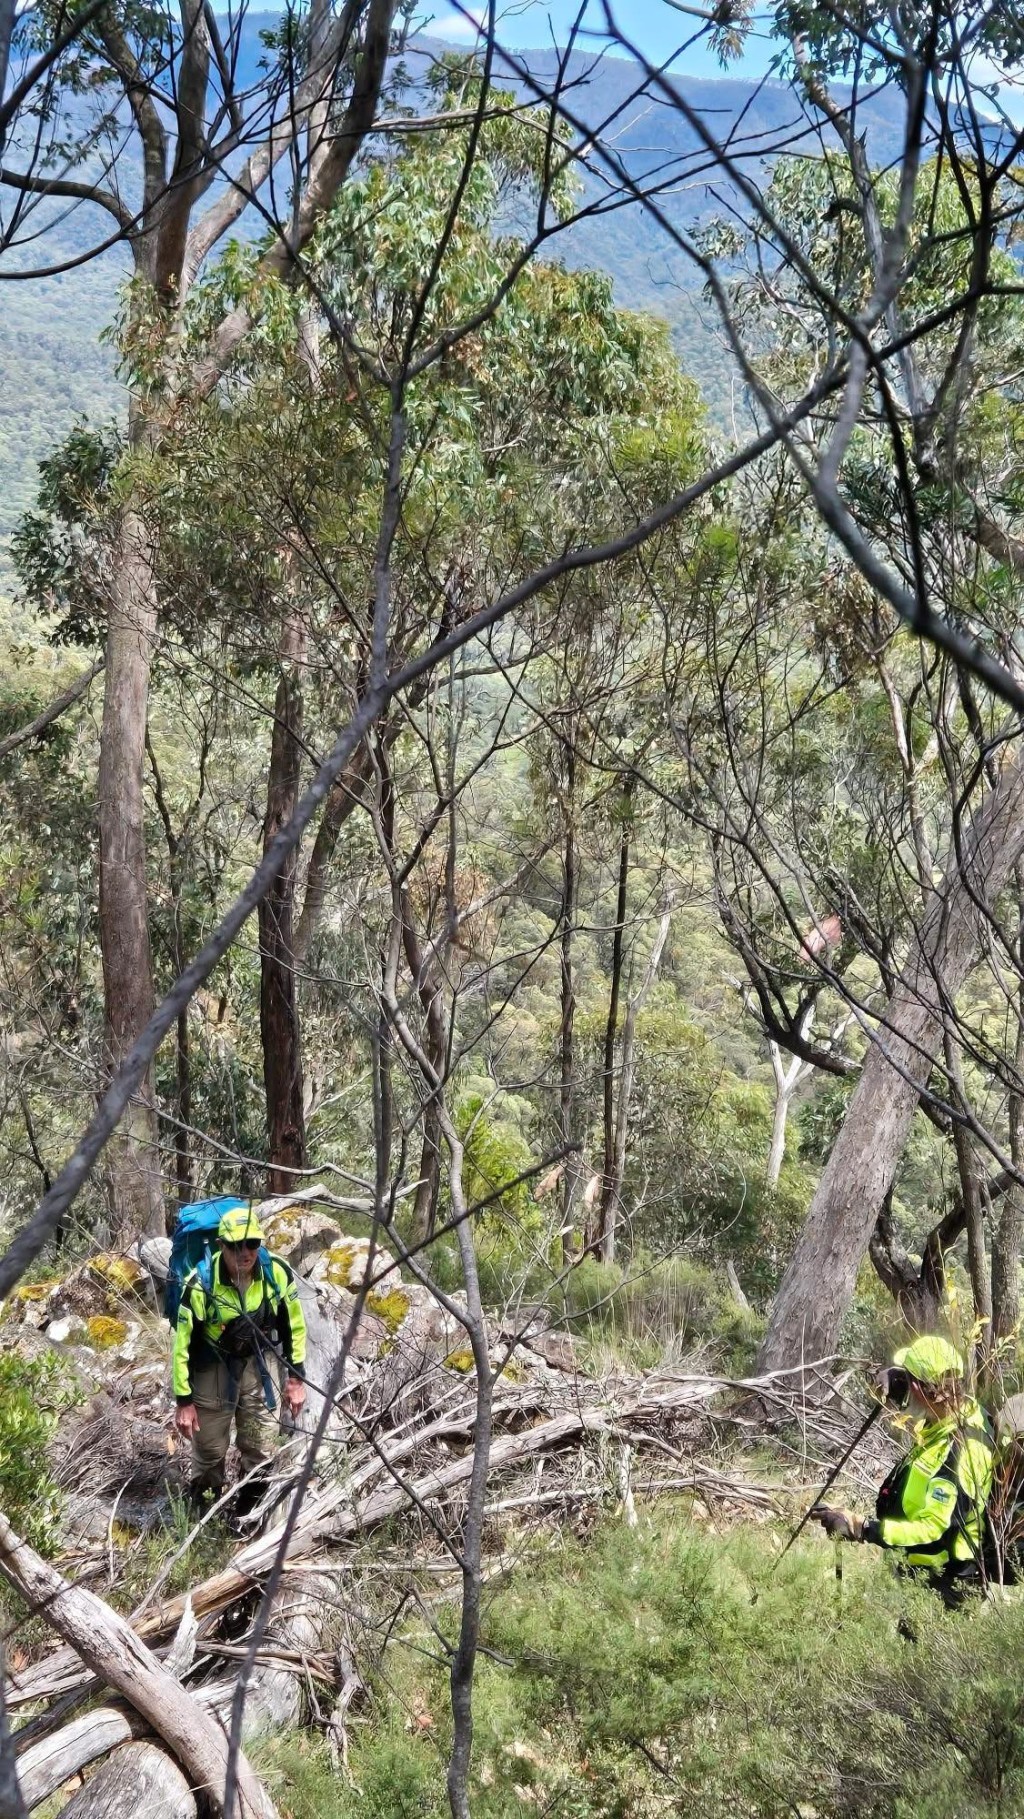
[(930, 1511), (238, 1320)]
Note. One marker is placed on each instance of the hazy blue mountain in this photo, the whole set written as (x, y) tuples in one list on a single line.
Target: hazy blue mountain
[(54, 368)]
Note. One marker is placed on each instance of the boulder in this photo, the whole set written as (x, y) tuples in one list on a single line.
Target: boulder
[(116, 1273), (298, 1233), (70, 1329), (33, 1304), (349, 1262)]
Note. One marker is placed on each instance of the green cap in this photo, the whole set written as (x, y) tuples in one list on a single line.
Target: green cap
[(240, 1223), (930, 1359)]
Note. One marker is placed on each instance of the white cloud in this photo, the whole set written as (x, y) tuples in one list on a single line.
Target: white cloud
[(461, 26), (1009, 89)]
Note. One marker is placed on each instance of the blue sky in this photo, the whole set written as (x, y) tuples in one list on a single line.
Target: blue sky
[(658, 27), (655, 25)]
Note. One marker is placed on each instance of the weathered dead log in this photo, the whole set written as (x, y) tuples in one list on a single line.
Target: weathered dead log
[(110, 1648), (12, 1804), (274, 1693), (641, 1411), (138, 1779), (47, 1765), (338, 1510)]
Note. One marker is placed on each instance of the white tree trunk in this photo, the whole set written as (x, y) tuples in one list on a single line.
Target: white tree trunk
[(626, 1073), (818, 1286), (133, 1155)]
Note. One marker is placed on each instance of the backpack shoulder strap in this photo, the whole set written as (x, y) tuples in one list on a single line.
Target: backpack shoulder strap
[(202, 1275), (268, 1265)]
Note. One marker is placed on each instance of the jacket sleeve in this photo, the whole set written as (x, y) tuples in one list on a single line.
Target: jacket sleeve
[(184, 1331), (930, 1525), (292, 1321)]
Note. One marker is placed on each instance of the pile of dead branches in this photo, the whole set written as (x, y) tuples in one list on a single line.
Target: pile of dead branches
[(563, 1443)]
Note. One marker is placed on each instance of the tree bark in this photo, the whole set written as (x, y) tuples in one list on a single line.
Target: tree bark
[(133, 1155), (178, 958), (1008, 1237), (786, 1081), (47, 1765), (7, 13), (435, 1047), (611, 1029), (137, 1779), (918, 1291), (970, 1191), (627, 1050), (818, 1286), (567, 987), (343, 798), (12, 1799), (279, 1010), (57, 707), (114, 1652)]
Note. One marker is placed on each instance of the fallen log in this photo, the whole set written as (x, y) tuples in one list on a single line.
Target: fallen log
[(12, 1806), (274, 1694), (639, 1411), (111, 1649), (138, 1779), (46, 1766)]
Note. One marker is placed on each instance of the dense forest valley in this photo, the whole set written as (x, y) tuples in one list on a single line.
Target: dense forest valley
[(513, 789)]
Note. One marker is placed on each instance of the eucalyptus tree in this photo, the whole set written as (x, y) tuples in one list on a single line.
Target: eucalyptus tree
[(165, 97), (938, 536)]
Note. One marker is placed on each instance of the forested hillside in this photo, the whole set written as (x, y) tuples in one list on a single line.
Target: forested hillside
[(56, 364), (512, 907)]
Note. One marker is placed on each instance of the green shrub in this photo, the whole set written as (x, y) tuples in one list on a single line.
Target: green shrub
[(34, 1392), (659, 1310), (636, 1674)]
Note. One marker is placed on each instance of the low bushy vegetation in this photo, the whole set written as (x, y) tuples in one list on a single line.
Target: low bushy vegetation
[(657, 1314), (661, 1671), (33, 1394)]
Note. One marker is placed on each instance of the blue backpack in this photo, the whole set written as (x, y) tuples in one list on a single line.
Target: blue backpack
[(192, 1247)]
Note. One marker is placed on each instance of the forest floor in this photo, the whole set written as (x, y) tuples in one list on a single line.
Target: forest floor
[(646, 1648)]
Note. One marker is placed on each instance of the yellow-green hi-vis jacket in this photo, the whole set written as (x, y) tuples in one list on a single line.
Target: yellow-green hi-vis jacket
[(220, 1325), (932, 1505)]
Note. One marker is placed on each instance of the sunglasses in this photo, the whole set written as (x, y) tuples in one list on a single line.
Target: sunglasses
[(241, 1244)]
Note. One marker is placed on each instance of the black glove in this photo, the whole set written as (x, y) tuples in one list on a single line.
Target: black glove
[(839, 1523), (892, 1385)]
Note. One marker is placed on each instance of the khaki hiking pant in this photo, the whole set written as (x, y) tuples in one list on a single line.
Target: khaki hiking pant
[(256, 1429)]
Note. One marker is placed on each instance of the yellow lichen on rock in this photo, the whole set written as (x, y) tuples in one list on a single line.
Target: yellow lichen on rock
[(105, 1332), (337, 1264), (460, 1361), (34, 1291), (281, 1227), (391, 1306), (121, 1273)]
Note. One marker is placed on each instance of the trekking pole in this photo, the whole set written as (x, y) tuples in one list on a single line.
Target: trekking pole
[(829, 1482)]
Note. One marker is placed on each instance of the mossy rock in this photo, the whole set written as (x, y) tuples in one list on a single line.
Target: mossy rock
[(337, 1264), (21, 1305), (120, 1273), (281, 1228), (391, 1306), (105, 1332)]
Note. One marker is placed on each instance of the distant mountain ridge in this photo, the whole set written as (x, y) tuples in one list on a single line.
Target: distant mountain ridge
[(54, 369)]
